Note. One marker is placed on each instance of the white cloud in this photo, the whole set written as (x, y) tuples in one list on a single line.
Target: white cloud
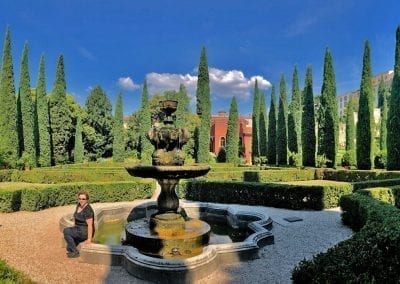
[(223, 84), (126, 83)]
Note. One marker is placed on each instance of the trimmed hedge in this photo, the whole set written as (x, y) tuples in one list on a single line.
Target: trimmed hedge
[(266, 194), (384, 194), (36, 198), (372, 255), (11, 275), (279, 175), (358, 175)]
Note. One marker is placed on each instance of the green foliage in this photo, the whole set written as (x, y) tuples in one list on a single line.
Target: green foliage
[(384, 194), (369, 256), (232, 134), (60, 117), (350, 131), (271, 155), (255, 130), (281, 132), (294, 118), (203, 110), (78, 148), (100, 118), (270, 175), (8, 108), (146, 149), (382, 103), (295, 197), (328, 119), (393, 122), (365, 124), (263, 126), (221, 157), (118, 132), (9, 275), (43, 120), (380, 160), (308, 122), (27, 109)]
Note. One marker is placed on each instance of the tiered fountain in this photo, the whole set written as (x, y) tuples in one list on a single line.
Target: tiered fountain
[(169, 234)]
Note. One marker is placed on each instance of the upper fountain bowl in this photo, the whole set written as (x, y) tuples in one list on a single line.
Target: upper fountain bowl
[(168, 172)]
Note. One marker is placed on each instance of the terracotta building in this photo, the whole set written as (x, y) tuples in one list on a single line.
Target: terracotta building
[(219, 126)]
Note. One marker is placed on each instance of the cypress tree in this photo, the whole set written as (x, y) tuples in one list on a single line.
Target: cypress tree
[(382, 103), (232, 134), (350, 131), (255, 131), (263, 126), (281, 134), (393, 122), (118, 132), (146, 149), (272, 129), (203, 109), (43, 121), (99, 110), (328, 126), (365, 124), (308, 122), (27, 109), (78, 147), (183, 107), (60, 117), (8, 108)]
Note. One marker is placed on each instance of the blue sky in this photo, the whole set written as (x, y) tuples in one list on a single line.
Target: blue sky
[(117, 44)]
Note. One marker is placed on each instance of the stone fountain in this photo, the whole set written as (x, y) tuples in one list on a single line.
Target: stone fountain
[(167, 241), (168, 234)]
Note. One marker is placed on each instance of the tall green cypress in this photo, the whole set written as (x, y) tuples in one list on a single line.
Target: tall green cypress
[(308, 122), (350, 131), (255, 131), (60, 117), (294, 116), (232, 134), (272, 129), (393, 125), (328, 126), (183, 107), (27, 109), (365, 124), (8, 108), (203, 109), (118, 131), (78, 145), (281, 134), (382, 104), (263, 126), (146, 149), (43, 121)]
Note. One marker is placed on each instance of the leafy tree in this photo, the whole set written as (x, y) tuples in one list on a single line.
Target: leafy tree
[(118, 131), (232, 135), (365, 124), (43, 120), (263, 127), (100, 118), (60, 117), (308, 122), (8, 108), (255, 131), (146, 149), (393, 125), (281, 133), (78, 148), (27, 109), (272, 129), (203, 109), (328, 126), (382, 103), (350, 131)]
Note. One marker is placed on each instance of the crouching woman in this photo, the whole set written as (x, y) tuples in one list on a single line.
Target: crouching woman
[(83, 230)]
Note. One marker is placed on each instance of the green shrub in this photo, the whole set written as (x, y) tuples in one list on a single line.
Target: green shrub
[(372, 255), (384, 194), (5, 175), (266, 194), (10, 275), (279, 175)]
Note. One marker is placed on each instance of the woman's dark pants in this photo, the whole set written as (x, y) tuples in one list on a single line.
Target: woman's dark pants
[(73, 236)]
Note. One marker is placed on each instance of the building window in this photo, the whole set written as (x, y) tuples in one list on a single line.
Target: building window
[(222, 142)]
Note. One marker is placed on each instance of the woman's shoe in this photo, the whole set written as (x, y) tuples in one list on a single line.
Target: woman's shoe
[(73, 254)]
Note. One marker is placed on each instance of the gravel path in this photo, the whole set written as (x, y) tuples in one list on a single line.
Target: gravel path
[(32, 243)]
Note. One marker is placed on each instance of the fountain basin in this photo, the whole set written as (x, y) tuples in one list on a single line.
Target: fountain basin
[(168, 172), (161, 270)]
